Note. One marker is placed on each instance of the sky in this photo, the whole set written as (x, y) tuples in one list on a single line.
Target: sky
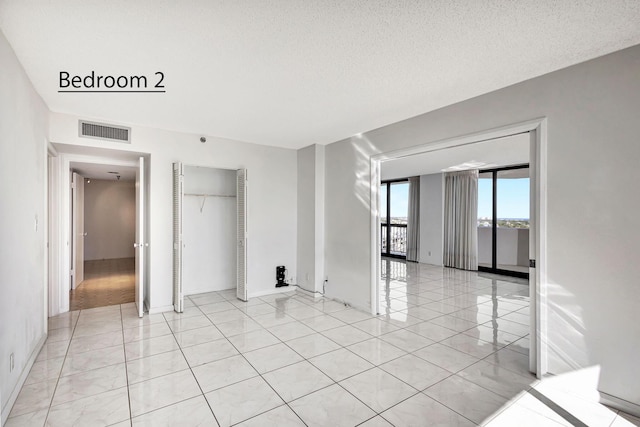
[(513, 199)]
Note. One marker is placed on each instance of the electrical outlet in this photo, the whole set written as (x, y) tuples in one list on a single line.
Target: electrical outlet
[(11, 362), (307, 277), (429, 253)]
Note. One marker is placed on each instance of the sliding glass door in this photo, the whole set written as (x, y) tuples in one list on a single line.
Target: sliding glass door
[(394, 210), (503, 221)]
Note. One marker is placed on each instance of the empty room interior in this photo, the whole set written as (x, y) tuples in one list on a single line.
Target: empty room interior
[(319, 213)]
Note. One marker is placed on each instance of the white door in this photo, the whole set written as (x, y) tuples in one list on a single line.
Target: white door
[(77, 188), (533, 309), (241, 264), (178, 191), (140, 235)]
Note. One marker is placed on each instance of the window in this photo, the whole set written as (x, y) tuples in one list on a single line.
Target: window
[(394, 210), (503, 220)]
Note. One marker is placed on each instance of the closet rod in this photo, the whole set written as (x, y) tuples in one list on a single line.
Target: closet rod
[(209, 195)]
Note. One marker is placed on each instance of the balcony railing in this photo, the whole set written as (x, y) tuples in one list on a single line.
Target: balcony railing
[(398, 239)]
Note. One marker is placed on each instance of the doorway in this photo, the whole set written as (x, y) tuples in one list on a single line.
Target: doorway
[(536, 131), (104, 233), (65, 162)]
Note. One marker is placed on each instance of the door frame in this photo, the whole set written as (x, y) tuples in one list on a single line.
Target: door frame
[(77, 229), (538, 354), (60, 177)]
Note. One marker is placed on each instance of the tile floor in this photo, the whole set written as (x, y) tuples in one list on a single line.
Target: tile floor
[(450, 348)]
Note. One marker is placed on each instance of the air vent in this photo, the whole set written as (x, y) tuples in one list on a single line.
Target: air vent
[(104, 131)]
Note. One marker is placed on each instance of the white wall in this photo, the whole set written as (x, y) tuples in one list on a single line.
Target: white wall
[(513, 246), (109, 219), (209, 230), (23, 133), (306, 217), (431, 219), (311, 218), (271, 205), (592, 175)]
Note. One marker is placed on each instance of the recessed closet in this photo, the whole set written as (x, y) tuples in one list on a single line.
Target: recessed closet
[(208, 242)]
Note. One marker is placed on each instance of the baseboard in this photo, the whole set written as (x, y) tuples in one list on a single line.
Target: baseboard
[(161, 309), (350, 305), (23, 377), (274, 291), (621, 404), (205, 291), (307, 292)]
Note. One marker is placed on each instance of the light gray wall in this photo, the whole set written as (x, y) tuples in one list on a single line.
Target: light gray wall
[(306, 217), (23, 133), (431, 219), (209, 230), (271, 198), (310, 249), (593, 234), (109, 219)]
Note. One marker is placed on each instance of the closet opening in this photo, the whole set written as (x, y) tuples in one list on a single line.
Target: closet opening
[(209, 231)]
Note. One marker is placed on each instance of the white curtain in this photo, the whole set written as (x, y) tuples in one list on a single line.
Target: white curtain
[(413, 220), (461, 220)]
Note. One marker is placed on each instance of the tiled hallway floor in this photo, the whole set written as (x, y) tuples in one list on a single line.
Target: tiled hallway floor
[(450, 349), (106, 282)]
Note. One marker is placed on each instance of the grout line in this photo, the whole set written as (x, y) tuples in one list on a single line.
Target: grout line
[(53, 395), (193, 374), (126, 369)]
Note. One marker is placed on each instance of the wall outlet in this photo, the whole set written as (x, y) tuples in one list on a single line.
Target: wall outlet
[(11, 362), (429, 253), (307, 277)]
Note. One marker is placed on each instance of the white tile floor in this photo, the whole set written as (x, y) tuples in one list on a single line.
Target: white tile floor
[(449, 349)]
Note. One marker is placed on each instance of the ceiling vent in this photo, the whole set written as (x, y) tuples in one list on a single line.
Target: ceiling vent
[(103, 131)]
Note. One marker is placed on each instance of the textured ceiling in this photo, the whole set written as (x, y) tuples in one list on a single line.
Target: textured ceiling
[(507, 151), (292, 73)]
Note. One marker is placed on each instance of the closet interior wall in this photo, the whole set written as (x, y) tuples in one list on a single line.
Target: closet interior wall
[(209, 230)]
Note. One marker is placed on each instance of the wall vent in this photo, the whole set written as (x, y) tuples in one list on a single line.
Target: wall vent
[(103, 131)]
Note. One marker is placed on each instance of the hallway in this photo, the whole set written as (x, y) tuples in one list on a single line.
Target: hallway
[(106, 282)]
